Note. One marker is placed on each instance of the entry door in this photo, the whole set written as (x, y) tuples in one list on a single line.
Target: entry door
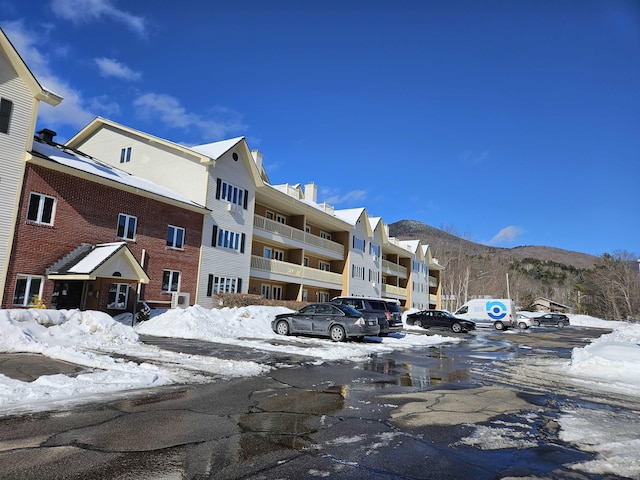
[(67, 294)]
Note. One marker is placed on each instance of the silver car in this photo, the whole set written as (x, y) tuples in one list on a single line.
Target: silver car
[(338, 322)]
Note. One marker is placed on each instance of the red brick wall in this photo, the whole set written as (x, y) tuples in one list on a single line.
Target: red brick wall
[(87, 212)]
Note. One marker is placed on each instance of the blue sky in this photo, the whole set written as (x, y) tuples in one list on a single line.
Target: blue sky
[(507, 122)]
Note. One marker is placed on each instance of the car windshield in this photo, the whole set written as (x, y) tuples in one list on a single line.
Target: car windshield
[(348, 310), (393, 307), (448, 314)]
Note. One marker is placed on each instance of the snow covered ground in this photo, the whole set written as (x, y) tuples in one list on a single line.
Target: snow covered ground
[(117, 360)]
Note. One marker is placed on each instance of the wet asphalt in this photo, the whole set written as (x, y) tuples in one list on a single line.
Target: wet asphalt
[(410, 414)]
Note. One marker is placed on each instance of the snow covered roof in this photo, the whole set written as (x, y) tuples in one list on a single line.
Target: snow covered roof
[(106, 260), (350, 215), (84, 163), (216, 149)]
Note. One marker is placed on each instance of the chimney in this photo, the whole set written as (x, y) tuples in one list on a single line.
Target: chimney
[(311, 192), (46, 135), (257, 157)]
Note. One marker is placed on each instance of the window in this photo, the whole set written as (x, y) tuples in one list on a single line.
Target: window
[(127, 227), (281, 219), (41, 209), (276, 293), (278, 255), (325, 235), (358, 243), (170, 281), (326, 266), (265, 291), (175, 237), (125, 155), (228, 239), (5, 114), (357, 272), (118, 296), (374, 250), (323, 297), (231, 193), (223, 285), (27, 287), (305, 262)]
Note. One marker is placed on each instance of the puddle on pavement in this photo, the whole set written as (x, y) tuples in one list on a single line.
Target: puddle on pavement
[(286, 420)]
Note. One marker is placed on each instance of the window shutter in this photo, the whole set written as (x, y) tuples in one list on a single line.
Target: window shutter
[(245, 202), (5, 114), (214, 236), (210, 286), (242, 243), (239, 290), (218, 188)]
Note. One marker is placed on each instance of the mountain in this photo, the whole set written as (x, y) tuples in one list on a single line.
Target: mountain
[(473, 269)]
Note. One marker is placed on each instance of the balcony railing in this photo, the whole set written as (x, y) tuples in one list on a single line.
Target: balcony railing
[(297, 272), (393, 290), (391, 268), (286, 231)]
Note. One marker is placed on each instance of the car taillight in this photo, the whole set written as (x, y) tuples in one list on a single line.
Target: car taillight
[(360, 322)]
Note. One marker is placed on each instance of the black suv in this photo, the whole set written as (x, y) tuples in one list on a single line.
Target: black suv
[(385, 310)]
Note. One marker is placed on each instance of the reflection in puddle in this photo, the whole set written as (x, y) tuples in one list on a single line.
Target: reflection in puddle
[(418, 376)]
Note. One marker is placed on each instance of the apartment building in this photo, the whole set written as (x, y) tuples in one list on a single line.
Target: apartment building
[(20, 97), (222, 176), (93, 237), (271, 240)]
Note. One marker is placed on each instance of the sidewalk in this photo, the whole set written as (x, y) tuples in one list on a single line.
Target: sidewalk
[(27, 367)]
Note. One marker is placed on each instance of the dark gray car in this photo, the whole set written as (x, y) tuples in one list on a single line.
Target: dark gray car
[(387, 311), (337, 322)]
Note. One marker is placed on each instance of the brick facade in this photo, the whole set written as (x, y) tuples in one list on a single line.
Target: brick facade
[(87, 212)]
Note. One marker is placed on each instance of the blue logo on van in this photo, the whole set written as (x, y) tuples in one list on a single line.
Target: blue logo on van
[(496, 310)]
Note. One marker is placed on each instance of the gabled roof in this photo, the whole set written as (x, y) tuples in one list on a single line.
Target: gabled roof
[(80, 164), (38, 91), (99, 123), (216, 149), (353, 215), (206, 153), (106, 260)]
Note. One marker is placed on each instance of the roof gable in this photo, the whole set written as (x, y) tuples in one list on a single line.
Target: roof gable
[(37, 90)]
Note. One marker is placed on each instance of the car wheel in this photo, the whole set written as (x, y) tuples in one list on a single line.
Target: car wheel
[(337, 333), (282, 328), (456, 327), (422, 324), (561, 324), (522, 325), (536, 323), (499, 326)]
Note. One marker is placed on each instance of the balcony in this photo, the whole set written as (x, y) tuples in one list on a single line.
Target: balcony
[(390, 268), (433, 282), (291, 273), (294, 237), (392, 290)]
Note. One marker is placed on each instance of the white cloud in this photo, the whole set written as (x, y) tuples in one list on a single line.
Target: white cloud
[(506, 235), (171, 113), (84, 11), (72, 111), (112, 68), (349, 198), (473, 158)]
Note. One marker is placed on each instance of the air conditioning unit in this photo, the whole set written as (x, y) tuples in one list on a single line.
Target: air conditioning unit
[(233, 208), (179, 300)]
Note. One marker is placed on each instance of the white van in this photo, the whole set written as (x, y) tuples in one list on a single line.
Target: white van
[(501, 312)]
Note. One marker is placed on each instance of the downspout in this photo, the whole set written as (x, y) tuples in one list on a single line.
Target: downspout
[(139, 286)]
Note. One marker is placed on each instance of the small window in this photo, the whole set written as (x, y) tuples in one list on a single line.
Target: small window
[(41, 209), (5, 114), (127, 227), (27, 289), (118, 296), (175, 237), (170, 281), (125, 155)]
